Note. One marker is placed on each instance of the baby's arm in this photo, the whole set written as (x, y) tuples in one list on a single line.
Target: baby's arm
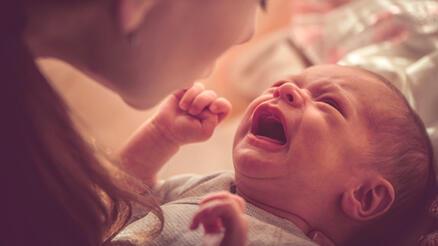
[(223, 211), (184, 117)]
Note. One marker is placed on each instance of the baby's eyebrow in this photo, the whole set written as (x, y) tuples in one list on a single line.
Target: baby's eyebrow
[(326, 86)]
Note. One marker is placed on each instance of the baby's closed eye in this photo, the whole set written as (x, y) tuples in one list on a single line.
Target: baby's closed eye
[(332, 103)]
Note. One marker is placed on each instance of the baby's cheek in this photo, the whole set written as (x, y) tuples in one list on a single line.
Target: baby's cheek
[(316, 136), (315, 122), (243, 129), (246, 121), (357, 141)]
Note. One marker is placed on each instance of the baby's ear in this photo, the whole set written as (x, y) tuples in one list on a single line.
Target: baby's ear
[(369, 200), (131, 13)]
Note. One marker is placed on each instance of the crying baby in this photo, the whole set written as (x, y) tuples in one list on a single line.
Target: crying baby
[(335, 149)]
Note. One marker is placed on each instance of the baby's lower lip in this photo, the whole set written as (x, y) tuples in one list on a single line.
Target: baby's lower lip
[(264, 143)]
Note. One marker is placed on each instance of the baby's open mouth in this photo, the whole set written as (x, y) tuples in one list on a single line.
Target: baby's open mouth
[(267, 123)]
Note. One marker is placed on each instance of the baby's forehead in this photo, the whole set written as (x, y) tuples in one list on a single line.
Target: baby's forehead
[(362, 87), (347, 77), (353, 80)]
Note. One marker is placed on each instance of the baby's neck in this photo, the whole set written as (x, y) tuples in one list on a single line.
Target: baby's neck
[(300, 222)]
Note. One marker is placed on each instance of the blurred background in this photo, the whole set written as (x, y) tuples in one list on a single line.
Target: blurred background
[(105, 118), (395, 38)]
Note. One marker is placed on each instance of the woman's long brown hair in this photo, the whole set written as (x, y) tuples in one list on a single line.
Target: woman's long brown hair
[(54, 187)]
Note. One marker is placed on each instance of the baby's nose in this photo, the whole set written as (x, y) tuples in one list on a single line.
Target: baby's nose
[(290, 94)]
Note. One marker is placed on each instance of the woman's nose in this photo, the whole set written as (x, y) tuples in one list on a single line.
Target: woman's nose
[(291, 94)]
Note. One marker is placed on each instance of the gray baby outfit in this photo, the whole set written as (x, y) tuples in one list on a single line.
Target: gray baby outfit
[(180, 197)]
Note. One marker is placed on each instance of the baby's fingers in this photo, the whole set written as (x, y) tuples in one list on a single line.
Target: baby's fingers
[(221, 211), (209, 121), (201, 101), (190, 95), (223, 195), (221, 107), (210, 222), (211, 215)]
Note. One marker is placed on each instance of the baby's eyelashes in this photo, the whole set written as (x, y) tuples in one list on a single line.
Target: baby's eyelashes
[(331, 102)]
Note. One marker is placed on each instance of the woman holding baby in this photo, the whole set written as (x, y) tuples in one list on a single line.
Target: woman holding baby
[(58, 189)]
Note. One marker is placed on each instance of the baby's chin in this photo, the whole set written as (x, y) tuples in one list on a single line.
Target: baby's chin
[(252, 163)]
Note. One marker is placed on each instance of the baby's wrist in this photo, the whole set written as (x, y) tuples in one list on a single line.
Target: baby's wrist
[(163, 135)]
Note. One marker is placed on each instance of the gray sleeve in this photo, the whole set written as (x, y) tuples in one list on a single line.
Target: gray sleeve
[(165, 191), (172, 188)]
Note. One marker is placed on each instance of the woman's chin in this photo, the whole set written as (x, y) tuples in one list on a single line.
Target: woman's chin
[(207, 72), (140, 104)]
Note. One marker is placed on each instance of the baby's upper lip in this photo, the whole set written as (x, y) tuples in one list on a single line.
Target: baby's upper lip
[(267, 110)]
